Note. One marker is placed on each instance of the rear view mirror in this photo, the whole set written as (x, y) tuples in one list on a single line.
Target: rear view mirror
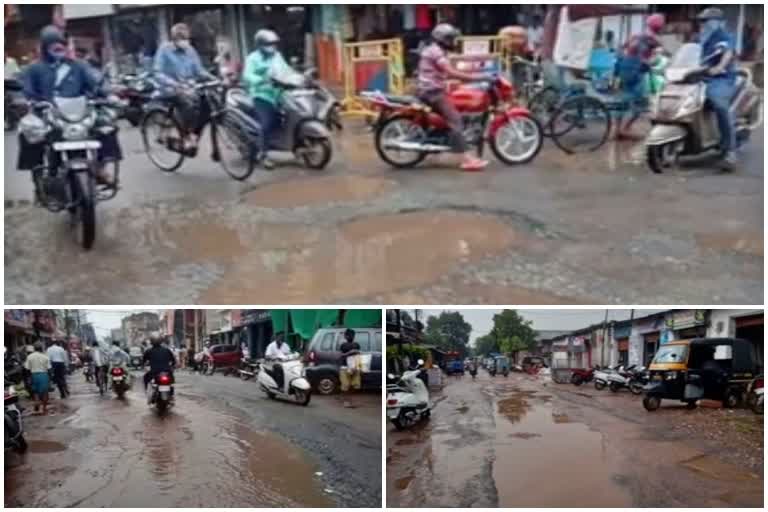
[(391, 376), (421, 362)]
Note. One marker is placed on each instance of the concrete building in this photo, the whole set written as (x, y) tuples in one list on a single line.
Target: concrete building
[(739, 323), (138, 327)]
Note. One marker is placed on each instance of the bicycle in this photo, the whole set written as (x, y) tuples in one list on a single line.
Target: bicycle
[(162, 132)]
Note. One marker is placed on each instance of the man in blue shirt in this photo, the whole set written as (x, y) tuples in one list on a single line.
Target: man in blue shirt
[(177, 62), (56, 75), (718, 54)]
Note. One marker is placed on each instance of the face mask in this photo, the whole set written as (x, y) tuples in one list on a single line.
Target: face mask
[(268, 50), (182, 44), (57, 51)]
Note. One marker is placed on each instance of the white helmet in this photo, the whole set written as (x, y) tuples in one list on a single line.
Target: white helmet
[(266, 37)]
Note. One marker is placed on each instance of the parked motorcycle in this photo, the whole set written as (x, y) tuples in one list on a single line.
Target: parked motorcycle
[(14, 426), (249, 369), (161, 392), (601, 376), (293, 387), (621, 378), (755, 395), (408, 400), (412, 131), (682, 122), (14, 370), (119, 381), (581, 375), (305, 112), (639, 378), (135, 91), (15, 104), (69, 127)]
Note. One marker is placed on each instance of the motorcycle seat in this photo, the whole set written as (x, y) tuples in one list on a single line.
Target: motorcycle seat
[(402, 99)]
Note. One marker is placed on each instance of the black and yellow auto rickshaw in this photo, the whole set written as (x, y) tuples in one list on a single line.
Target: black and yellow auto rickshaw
[(701, 368)]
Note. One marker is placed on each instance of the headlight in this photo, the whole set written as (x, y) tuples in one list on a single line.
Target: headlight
[(33, 128), (74, 131), (670, 376)]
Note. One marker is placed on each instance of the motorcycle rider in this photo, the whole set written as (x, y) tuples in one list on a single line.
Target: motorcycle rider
[(57, 75), (261, 65), (718, 52), (160, 360), (434, 71), (177, 62), (277, 351), (119, 358)]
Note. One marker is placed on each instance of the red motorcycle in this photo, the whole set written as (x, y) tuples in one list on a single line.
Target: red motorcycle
[(411, 131), (581, 375)]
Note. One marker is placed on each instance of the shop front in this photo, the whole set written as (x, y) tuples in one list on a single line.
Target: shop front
[(687, 324), (136, 35), (257, 331)]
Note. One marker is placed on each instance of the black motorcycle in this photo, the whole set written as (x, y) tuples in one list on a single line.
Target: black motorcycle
[(161, 392), (70, 129), (14, 427), (16, 105), (135, 92)]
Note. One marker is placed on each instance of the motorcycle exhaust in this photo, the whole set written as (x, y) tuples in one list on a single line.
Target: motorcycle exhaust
[(416, 146)]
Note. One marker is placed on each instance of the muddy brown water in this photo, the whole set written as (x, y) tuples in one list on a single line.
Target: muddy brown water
[(539, 470), (194, 456)]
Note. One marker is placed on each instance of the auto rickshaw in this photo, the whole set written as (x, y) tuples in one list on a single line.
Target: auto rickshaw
[(501, 364), (701, 368)]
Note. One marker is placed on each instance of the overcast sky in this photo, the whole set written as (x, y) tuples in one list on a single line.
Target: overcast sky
[(105, 320), (543, 319)]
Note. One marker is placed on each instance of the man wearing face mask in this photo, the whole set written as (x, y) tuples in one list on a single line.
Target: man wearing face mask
[(718, 54), (177, 62), (57, 75), (262, 64)]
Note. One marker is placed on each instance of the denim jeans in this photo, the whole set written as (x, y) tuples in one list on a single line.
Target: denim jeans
[(719, 94), (267, 115)]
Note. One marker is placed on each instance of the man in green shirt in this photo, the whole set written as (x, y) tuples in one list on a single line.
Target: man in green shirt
[(261, 65)]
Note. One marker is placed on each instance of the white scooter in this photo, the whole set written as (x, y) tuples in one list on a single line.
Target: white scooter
[(408, 400), (294, 387)]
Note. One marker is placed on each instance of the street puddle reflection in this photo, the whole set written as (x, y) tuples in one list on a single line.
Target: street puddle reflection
[(533, 440)]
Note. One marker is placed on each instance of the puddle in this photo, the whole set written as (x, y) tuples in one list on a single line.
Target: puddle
[(314, 191), (716, 469), (402, 484), (747, 243), (191, 457), (368, 256), (538, 446), (45, 447)]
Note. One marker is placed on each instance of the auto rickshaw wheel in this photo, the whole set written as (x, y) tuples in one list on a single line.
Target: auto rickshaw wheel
[(651, 403), (690, 405)]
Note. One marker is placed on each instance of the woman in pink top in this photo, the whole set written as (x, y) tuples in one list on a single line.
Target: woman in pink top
[(434, 71)]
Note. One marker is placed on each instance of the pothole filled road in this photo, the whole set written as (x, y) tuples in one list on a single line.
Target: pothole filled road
[(526, 442)]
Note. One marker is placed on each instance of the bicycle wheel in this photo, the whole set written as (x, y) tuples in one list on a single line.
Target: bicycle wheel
[(163, 140), (543, 106), (581, 124), (232, 149)]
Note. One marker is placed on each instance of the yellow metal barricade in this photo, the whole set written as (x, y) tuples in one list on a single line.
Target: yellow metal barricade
[(384, 62), (480, 54)]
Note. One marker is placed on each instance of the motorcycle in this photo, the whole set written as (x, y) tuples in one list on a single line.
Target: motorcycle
[(14, 370), (137, 362), (161, 392), (14, 427), (67, 179), (639, 378), (580, 376), (16, 105), (408, 400), (249, 369), (682, 122), (294, 385), (119, 381), (473, 372), (88, 372), (411, 131), (755, 395), (305, 112), (601, 377), (632, 378), (136, 92)]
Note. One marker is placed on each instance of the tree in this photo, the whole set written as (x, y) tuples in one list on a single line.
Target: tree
[(512, 332), (486, 344), (449, 332)]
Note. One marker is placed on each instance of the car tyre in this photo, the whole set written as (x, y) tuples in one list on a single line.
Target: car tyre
[(327, 385)]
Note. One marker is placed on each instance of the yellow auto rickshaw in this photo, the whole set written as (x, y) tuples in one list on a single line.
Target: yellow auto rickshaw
[(702, 368)]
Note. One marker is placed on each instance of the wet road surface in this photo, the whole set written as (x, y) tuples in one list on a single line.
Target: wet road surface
[(526, 442), (585, 228), (222, 445)]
